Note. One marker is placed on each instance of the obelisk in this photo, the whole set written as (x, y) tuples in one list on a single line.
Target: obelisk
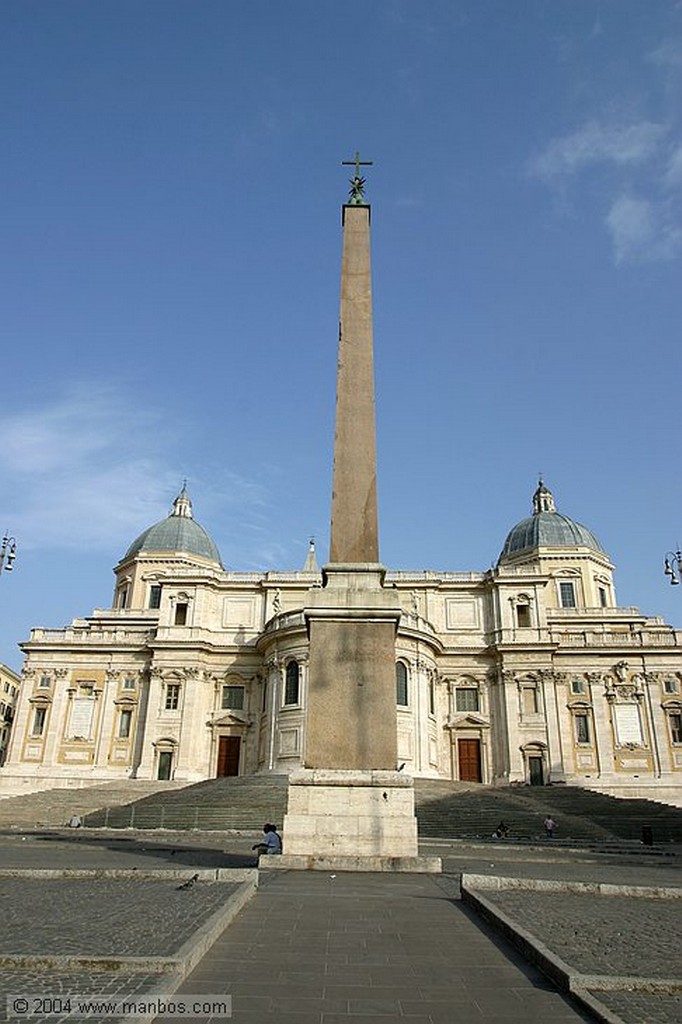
[(348, 807), (351, 720)]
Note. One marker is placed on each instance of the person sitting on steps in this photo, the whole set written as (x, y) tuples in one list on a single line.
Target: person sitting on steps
[(271, 843)]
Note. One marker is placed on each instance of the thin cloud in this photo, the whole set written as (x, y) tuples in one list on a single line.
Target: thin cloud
[(92, 469), (596, 142), (641, 231), (672, 178)]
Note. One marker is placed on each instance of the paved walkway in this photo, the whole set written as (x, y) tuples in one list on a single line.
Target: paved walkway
[(317, 948), (323, 947)]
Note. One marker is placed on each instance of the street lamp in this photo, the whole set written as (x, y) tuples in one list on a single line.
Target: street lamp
[(8, 552), (673, 567)]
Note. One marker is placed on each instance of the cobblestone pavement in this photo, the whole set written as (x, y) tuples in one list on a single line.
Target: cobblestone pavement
[(103, 916), (616, 935), (642, 1007)]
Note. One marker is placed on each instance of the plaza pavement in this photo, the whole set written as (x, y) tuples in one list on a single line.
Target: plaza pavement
[(108, 918)]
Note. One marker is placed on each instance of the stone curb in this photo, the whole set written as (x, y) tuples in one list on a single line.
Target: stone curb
[(158, 874), (592, 888), (576, 984)]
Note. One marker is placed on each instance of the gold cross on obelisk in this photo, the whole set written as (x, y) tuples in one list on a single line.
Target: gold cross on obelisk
[(357, 183)]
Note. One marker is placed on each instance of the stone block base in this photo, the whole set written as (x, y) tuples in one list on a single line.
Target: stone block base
[(350, 821), (294, 862)]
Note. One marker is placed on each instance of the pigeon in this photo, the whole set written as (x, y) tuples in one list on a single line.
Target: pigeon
[(189, 883)]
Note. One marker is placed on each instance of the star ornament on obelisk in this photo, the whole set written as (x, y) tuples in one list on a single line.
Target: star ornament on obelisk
[(349, 807), (356, 195)]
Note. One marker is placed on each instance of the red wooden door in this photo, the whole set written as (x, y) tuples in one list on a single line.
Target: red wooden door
[(469, 756), (228, 756)]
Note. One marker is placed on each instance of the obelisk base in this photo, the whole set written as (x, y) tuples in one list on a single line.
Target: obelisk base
[(350, 821)]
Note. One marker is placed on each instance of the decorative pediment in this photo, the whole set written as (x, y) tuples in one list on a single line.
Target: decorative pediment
[(228, 718), (467, 719)]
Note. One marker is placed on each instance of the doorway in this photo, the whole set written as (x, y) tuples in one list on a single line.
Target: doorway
[(536, 771), (228, 756), (469, 757), (165, 765)]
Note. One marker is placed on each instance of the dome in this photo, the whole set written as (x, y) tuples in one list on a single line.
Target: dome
[(547, 528), (178, 532)]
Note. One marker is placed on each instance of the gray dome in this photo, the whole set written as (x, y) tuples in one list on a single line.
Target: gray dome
[(179, 532), (547, 528)]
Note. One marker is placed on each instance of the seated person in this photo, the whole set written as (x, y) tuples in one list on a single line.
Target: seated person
[(501, 832), (271, 843)]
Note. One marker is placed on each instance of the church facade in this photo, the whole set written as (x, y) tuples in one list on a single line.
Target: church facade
[(529, 673)]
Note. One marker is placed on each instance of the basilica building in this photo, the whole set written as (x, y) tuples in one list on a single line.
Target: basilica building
[(528, 673)]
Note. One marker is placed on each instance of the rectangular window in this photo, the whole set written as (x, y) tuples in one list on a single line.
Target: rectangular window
[(155, 595), (567, 595), (39, 716), (181, 615), (466, 699), (172, 696), (530, 700), (603, 597), (125, 722), (582, 729), (401, 684), (670, 685), (122, 597), (523, 615), (129, 683), (44, 682), (233, 697), (432, 697), (577, 685), (6, 687), (676, 727)]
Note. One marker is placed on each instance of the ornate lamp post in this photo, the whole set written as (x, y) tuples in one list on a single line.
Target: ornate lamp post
[(673, 567), (8, 552)]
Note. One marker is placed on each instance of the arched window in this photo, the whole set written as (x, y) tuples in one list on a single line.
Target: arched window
[(291, 683), (401, 684)]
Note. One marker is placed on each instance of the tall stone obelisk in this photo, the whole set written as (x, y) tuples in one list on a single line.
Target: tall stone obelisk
[(349, 808)]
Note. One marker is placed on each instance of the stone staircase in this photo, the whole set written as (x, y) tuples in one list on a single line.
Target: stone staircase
[(244, 803), (445, 810), (55, 807), (465, 811)]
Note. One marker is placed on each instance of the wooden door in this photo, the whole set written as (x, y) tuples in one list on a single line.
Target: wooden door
[(165, 764), (469, 756), (537, 775), (228, 756)]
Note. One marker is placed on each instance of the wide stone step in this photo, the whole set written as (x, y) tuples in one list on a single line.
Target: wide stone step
[(580, 814), (58, 806), (242, 802)]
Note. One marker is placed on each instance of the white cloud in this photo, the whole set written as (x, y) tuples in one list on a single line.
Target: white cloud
[(642, 231), (672, 177), (596, 142), (82, 471), (668, 54)]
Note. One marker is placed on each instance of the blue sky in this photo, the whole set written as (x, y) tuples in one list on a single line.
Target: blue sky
[(170, 201)]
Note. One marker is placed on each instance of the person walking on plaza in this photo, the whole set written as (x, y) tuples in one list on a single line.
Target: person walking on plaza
[(550, 825)]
